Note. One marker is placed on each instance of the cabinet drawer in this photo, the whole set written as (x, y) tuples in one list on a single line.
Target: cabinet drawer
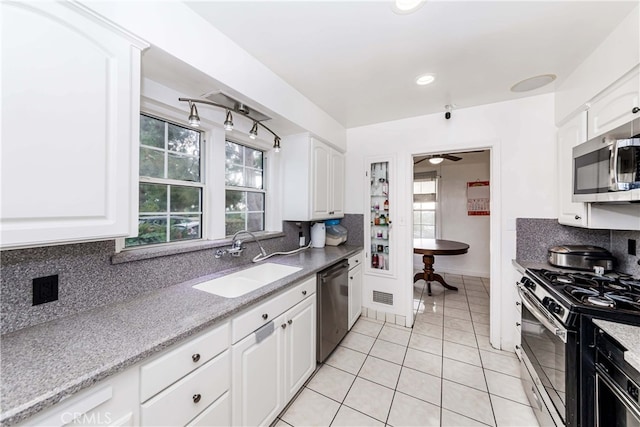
[(264, 313), (355, 260), (218, 414), (170, 367), (184, 400)]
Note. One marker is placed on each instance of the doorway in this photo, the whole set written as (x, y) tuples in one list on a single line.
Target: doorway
[(446, 207)]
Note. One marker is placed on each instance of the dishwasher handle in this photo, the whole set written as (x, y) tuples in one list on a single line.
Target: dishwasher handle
[(334, 271)]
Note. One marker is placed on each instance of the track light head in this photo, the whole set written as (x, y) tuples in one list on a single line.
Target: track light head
[(253, 133), (228, 122), (194, 118)]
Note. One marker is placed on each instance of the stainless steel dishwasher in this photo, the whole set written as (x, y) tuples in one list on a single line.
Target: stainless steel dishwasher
[(333, 308)]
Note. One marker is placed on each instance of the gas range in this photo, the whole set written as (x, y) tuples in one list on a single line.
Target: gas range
[(557, 337), (614, 296)]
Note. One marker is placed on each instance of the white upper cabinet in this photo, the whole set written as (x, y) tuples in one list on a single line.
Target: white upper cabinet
[(313, 180), (70, 105), (617, 105), (572, 133)]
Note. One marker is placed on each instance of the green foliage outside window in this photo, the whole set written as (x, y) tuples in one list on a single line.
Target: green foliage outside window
[(168, 211), (244, 196)]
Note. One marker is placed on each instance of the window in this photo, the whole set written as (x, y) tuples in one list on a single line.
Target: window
[(244, 188), (425, 197), (171, 188)]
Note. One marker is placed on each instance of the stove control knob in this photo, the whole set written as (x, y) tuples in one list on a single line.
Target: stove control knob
[(528, 283), (554, 307)]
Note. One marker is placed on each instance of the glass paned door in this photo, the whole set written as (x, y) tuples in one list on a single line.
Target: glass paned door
[(380, 219)]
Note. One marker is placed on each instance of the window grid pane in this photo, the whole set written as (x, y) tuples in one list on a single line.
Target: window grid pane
[(424, 209), (245, 194), (168, 212)]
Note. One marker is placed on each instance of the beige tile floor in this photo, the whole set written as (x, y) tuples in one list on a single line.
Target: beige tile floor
[(442, 372)]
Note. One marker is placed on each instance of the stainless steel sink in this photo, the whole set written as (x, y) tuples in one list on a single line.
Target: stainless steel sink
[(244, 281)]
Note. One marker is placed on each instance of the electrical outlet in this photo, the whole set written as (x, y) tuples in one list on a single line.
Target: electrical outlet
[(45, 289), (631, 246)]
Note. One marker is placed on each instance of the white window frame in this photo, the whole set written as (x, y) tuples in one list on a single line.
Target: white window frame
[(163, 104), (121, 243), (436, 210), (263, 190)]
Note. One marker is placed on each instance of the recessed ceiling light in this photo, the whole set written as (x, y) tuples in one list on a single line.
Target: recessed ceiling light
[(406, 6), (533, 83), (425, 79)]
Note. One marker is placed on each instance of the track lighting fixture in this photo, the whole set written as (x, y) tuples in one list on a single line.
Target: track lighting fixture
[(253, 133), (194, 119), (228, 122)]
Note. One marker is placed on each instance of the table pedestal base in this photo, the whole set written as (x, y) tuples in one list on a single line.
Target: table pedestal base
[(429, 275)]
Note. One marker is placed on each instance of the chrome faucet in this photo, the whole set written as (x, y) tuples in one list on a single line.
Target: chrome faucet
[(237, 245)]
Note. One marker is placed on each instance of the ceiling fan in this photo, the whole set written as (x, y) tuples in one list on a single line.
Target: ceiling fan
[(438, 158)]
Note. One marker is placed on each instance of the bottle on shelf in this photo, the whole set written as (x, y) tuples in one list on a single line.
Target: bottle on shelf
[(386, 205), (383, 219), (374, 261)]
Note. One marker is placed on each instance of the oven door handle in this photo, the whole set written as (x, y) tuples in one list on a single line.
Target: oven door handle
[(539, 312), (629, 404)]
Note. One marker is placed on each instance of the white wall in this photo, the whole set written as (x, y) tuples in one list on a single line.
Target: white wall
[(454, 223), (179, 31), (616, 55), (521, 135)]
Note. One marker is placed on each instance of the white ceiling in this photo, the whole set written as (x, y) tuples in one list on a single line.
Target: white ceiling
[(358, 60)]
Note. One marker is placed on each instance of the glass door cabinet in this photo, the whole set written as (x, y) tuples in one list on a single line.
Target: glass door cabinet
[(378, 224)]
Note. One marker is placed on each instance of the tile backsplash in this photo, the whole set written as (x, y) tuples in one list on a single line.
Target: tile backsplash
[(535, 236), (626, 263), (88, 278)]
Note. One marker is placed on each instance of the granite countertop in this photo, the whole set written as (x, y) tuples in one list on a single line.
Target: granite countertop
[(46, 363), (628, 336)]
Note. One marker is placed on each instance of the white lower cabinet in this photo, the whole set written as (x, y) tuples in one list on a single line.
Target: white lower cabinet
[(272, 363), (355, 288), (207, 381), (300, 346), (112, 402), (257, 377), (189, 383)]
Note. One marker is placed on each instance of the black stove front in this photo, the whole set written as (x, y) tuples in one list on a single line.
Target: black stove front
[(600, 293), (566, 302)]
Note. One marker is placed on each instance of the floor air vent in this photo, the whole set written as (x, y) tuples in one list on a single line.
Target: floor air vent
[(383, 297)]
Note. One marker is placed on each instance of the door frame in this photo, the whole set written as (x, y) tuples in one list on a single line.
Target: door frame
[(496, 305)]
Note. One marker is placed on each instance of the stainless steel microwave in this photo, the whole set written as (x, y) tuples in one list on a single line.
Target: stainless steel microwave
[(607, 168)]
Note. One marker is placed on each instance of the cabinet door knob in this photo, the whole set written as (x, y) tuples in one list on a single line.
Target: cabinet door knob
[(350, 277), (635, 110), (577, 217), (517, 302), (265, 316), (284, 325), (290, 321), (517, 323), (195, 357), (196, 398), (304, 292)]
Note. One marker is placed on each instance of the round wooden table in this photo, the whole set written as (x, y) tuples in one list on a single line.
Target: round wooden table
[(428, 248)]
